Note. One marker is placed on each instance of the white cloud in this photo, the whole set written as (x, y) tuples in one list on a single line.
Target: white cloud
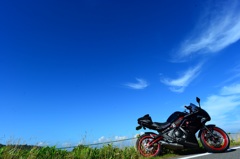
[(42, 144), (103, 139), (120, 137), (140, 84), (232, 89), (116, 141), (216, 30), (179, 84), (220, 105), (220, 29), (224, 108)]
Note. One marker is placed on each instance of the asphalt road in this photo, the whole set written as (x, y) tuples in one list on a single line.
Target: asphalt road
[(232, 153)]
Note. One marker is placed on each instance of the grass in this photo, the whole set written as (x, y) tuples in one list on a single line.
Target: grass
[(235, 142), (83, 152), (80, 152)]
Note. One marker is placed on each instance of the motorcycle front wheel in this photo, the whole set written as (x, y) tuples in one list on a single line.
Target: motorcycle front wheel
[(144, 149), (215, 141)]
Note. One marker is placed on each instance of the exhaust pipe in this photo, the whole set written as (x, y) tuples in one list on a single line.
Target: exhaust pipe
[(171, 145)]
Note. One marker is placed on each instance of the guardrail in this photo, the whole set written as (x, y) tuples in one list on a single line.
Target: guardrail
[(99, 143), (232, 136)]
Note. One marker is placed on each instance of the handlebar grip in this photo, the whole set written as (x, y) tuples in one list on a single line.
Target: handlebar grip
[(187, 107)]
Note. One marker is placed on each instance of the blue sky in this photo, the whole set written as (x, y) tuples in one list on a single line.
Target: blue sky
[(84, 71)]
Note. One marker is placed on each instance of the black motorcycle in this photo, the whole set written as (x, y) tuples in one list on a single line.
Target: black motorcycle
[(178, 132)]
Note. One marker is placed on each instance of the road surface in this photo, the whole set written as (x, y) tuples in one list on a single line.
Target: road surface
[(232, 153)]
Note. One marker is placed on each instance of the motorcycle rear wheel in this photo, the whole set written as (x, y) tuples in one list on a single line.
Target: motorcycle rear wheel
[(218, 143), (144, 149)]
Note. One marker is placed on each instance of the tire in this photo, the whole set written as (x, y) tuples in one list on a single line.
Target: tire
[(141, 145), (215, 145)]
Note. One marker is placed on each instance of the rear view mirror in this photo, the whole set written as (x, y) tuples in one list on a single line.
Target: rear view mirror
[(198, 101)]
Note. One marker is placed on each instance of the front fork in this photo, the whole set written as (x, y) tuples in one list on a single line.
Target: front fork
[(207, 127), (215, 138)]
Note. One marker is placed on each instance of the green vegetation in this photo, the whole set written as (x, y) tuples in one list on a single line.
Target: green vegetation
[(235, 142), (80, 152), (83, 152)]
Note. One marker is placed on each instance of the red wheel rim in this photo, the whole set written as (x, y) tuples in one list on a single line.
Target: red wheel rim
[(219, 133), (145, 150)]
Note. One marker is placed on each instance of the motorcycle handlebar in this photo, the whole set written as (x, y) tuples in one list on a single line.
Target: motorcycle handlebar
[(187, 107)]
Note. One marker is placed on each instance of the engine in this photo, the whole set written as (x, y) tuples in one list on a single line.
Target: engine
[(178, 133), (175, 135)]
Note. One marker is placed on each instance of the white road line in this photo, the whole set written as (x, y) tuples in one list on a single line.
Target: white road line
[(235, 147), (204, 154), (199, 155)]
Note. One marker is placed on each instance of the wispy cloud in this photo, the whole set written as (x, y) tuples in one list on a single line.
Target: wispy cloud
[(236, 74), (179, 84), (219, 28), (216, 30), (230, 90), (224, 107), (140, 84)]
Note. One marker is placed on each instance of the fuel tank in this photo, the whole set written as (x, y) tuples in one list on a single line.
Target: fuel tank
[(175, 116)]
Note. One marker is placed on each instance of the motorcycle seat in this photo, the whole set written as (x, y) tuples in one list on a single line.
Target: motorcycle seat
[(161, 126)]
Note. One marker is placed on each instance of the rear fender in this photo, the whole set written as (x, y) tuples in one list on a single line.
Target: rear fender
[(150, 133), (154, 134), (139, 135), (208, 126)]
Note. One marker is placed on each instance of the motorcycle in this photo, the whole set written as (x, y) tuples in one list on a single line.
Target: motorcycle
[(178, 132)]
